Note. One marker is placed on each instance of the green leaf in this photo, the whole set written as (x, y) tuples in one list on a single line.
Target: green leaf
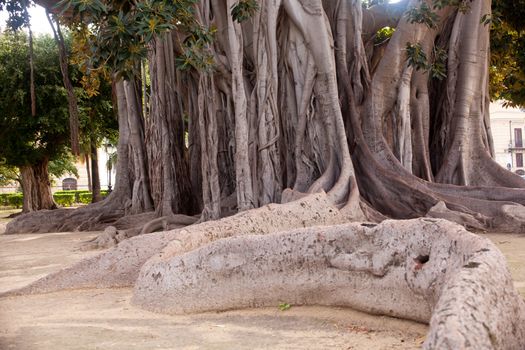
[(284, 306), (423, 15), (244, 10), (416, 56)]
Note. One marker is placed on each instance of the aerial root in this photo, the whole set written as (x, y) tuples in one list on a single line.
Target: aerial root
[(470, 222)]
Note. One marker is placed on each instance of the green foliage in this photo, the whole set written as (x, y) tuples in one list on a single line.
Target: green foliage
[(461, 5), (26, 139), (422, 14), (3, 199), (85, 198), (244, 10), (284, 306), (78, 196), (14, 200), (416, 56), (119, 31), (97, 119), (383, 34), (507, 46), (72, 191), (370, 3), (63, 165), (18, 16), (64, 199), (425, 14), (195, 50), (438, 69), (507, 51), (8, 174)]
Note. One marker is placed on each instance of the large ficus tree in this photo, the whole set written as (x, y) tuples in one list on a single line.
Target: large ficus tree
[(385, 107)]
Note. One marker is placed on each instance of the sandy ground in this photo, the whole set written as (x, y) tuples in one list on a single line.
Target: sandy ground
[(105, 319)]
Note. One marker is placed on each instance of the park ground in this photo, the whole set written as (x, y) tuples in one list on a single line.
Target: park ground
[(105, 318)]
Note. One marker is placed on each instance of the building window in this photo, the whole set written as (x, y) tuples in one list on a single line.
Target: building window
[(517, 138), (69, 184), (519, 160)]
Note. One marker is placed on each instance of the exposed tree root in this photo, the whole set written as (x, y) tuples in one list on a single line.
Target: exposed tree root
[(440, 211), (426, 270), (117, 226), (111, 236), (93, 217), (120, 265)]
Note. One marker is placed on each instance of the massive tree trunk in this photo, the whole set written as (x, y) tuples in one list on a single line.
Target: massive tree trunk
[(165, 134), (299, 98), (300, 101), (36, 187)]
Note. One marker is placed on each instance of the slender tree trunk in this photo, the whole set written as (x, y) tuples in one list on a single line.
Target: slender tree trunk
[(96, 196), (36, 187), (32, 72), (141, 197), (88, 171), (71, 97), (124, 175), (245, 195)]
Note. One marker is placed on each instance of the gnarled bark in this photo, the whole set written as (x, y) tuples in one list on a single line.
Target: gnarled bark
[(299, 99), (36, 187), (425, 270), (120, 265)]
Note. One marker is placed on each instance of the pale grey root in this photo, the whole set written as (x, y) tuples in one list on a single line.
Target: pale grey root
[(427, 270), (120, 265)]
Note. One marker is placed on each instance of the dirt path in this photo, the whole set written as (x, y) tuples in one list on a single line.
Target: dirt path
[(513, 247), (105, 319)]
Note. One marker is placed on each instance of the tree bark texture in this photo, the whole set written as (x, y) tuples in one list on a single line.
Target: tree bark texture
[(301, 105), (299, 97), (36, 187), (95, 174), (88, 171), (428, 270), (425, 270), (71, 97)]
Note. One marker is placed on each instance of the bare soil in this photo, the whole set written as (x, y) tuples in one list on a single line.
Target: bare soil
[(513, 247), (105, 319)]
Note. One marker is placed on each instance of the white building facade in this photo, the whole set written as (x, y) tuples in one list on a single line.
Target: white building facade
[(508, 131)]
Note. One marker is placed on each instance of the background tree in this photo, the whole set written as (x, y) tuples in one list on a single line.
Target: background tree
[(507, 52), (98, 125), (9, 175), (57, 168), (30, 142)]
